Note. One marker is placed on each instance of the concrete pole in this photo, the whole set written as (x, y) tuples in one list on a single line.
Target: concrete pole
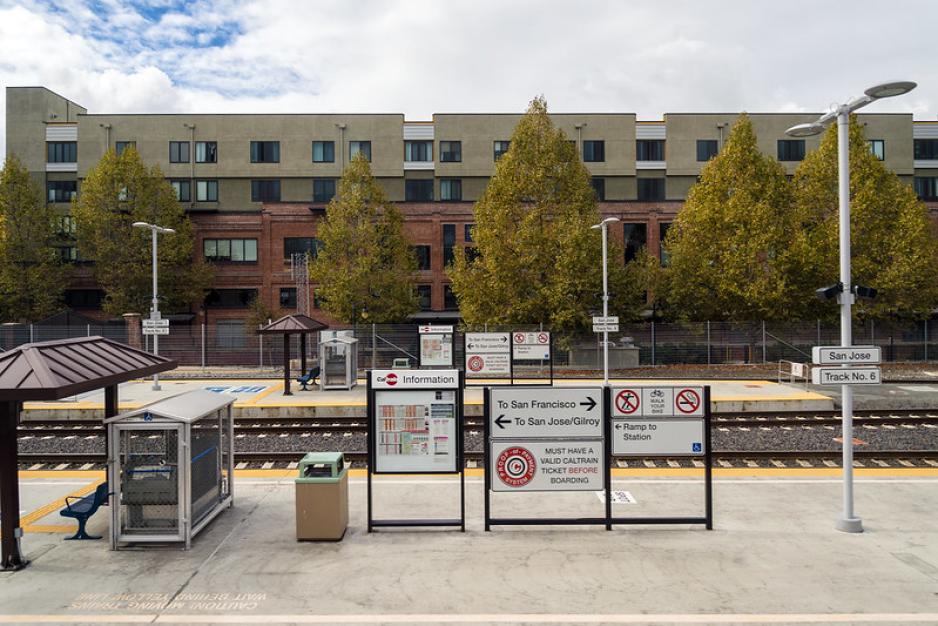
[(605, 304), (848, 522), (155, 309)]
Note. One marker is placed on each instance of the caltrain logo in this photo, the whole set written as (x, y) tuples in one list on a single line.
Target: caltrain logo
[(391, 379), (515, 466)]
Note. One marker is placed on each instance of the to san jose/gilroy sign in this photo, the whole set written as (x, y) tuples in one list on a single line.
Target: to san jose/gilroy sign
[(546, 413)]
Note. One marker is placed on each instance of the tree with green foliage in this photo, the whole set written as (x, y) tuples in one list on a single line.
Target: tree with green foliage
[(737, 249), (259, 314), (117, 192), (537, 259), (365, 268), (32, 279), (893, 242)]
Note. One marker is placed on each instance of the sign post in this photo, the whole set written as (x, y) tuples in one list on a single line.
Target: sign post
[(415, 426)]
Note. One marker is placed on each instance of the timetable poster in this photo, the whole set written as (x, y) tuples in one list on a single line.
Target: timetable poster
[(436, 350), (415, 431)]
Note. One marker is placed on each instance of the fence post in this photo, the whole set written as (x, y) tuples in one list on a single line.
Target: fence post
[(926, 339), (374, 345), (260, 350), (708, 342), (818, 332), (31, 339), (872, 331), (763, 343), (653, 342), (203, 344), (88, 330)]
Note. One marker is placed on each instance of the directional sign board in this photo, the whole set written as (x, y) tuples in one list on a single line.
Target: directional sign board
[(640, 401), (156, 330), (488, 354), (846, 376), (531, 346), (856, 355), (567, 465), (155, 323), (605, 328), (599, 320), (555, 413), (658, 437)]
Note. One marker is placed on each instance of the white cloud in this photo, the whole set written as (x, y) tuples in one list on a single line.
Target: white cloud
[(424, 56)]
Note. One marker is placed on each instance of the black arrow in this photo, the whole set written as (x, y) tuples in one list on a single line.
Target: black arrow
[(589, 405), (504, 339), (470, 346), (501, 421)]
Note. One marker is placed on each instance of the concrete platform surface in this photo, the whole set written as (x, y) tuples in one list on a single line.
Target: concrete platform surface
[(773, 558), (264, 397)]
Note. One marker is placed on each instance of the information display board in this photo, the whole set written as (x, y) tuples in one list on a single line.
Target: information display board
[(415, 426), (436, 346), (415, 431), (488, 355)]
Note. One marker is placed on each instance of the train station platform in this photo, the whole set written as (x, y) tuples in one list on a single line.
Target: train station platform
[(264, 397), (772, 558)]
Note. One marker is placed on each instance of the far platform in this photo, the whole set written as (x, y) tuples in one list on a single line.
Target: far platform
[(264, 397)]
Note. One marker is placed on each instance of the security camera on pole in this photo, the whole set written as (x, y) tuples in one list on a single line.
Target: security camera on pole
[(605, 326), (155, 326), (845, 291)]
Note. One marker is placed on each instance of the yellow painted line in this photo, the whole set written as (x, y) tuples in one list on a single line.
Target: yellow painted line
[(258, 396), (98, 475), (55, 505), (49, 528)]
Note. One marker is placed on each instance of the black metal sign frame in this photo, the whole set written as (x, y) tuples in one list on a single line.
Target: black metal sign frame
[(459, 522)]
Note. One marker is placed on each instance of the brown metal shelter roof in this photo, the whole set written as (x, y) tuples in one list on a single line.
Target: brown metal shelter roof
[(294, 324), (51, 370)]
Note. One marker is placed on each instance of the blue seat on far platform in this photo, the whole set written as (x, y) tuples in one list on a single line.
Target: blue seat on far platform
[(309, 378), (83, 508)]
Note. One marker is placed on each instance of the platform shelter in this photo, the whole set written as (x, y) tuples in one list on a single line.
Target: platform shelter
[(287, 325)]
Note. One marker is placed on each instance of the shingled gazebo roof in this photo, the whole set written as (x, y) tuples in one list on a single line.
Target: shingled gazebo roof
[(51, 370), (294, 324)]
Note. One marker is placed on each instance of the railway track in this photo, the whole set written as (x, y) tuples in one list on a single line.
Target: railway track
[(359, 424)]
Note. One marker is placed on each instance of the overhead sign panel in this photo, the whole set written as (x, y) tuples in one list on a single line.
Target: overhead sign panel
[(567, 465), (554, 413), (671, 401), (531, 346), (846, 376), (854, 355), (658, 437)]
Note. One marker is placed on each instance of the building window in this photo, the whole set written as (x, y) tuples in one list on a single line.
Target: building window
[(183, 190), (663, 229), (418, 151), (323, 189), (450, 189), (791, 149), (706, 149), (451, 151), (425, 297), (449, 241), (84, 298), (418, 190), (323, 152), (67, 254), (265, 191), (423, 257), (599, 187), (206, 152), (65, 225), (878, 148), (927, 187), (354, 147), (206, 190), (594, 150), (120, 146), (178, 151), (265, 152), (649, 150), (230, 250), (62, 152), (501, 147), (467, 232), (229, 334), (635, 235), (301, 245), (61, 190), (650, 189), (288, 297), (449, 299), (925, 149)]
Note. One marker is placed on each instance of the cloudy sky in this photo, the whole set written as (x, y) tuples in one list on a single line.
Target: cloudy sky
[(418, 57)]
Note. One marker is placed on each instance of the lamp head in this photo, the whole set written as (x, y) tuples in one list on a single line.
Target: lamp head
[(805, 130), (888, 90), (140, 225)]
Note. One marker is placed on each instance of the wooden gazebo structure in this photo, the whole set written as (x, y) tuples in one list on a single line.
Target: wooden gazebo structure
[(52, 370), (297, 324)]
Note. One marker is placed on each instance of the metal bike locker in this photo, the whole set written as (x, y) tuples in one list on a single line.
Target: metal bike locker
[(338, 361), (172, 465)]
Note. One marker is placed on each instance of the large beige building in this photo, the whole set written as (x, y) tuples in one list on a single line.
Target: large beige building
[(256, 185)]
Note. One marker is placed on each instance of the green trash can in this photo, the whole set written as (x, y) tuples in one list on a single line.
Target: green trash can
[(322, 497)]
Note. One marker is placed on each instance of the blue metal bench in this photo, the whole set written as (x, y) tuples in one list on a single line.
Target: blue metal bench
[(83, 508), (309, 378)]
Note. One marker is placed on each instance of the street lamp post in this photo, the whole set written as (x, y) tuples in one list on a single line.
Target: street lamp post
[(155, 304), (604, 226), (848, 522)]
